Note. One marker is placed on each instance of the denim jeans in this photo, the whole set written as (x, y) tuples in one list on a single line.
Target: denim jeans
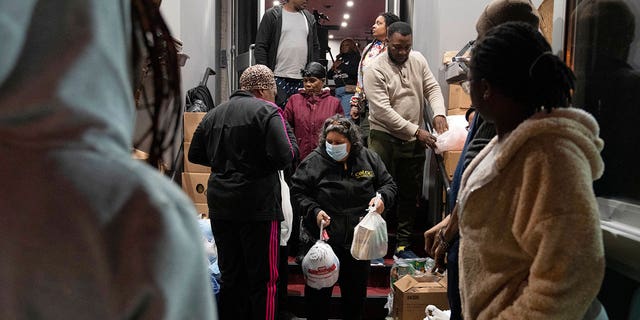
[(345, 100)]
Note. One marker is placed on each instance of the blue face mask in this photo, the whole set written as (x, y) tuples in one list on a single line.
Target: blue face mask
[(337, 152)]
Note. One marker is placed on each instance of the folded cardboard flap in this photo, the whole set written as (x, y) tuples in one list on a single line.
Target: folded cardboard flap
[(413, 294)]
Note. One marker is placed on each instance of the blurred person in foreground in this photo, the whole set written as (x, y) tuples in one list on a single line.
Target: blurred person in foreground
[(86, 231), (246, 141), (527, 250), (336, 184)]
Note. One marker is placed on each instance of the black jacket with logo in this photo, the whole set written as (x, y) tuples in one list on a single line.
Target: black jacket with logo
[(245, 141), (321, 183)]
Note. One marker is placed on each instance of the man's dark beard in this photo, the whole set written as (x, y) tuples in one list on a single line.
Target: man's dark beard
[(396, 61)]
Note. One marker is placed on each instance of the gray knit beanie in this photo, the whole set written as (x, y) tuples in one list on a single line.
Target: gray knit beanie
[(501, 11)]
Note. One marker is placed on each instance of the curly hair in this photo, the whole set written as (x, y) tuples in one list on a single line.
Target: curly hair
[(338, 123), (389, 18), (518, 60)]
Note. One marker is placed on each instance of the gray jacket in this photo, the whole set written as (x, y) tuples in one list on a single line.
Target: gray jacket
[(268, 37)]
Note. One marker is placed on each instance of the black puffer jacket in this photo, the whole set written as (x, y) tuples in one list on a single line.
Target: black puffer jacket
[(321, 183)]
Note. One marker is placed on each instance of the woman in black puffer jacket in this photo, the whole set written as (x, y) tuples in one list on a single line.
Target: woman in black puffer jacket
[(335, 184)]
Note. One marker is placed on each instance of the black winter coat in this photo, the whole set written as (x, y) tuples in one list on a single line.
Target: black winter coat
[(245, 141), (321, 183)]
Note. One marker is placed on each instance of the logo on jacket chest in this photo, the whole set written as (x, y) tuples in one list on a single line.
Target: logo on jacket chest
[(363, 174)]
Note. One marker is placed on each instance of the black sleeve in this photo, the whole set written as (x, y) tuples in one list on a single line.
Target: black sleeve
[(352, 68), (281, 145), (384, 182), (197, 153), (315, 55), (486, 131), (304, 182), (263, 40)]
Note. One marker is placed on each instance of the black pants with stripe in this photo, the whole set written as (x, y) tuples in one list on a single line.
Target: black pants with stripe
[(248, 261)]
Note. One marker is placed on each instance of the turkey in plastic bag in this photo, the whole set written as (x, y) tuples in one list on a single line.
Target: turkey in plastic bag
[(454, 138), (433, 313), (370, 236), (320, 265)]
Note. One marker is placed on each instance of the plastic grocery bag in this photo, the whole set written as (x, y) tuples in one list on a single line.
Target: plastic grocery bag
[(320, 265), (433, 313), (454, 138), (370, 236), (287, 224)]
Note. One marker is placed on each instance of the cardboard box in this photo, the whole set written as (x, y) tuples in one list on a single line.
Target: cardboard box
[(451, 161), (458, 99), (191, 167), (195, 186), (411, 295), (202, 209), (191, 122)]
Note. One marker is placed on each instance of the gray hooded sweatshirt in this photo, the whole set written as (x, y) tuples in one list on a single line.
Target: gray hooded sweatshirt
[(86, 232)]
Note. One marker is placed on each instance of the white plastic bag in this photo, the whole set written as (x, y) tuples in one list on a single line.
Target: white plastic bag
[(287, 224), (433, 313), (320, 265), (454, 138), (370, 236)]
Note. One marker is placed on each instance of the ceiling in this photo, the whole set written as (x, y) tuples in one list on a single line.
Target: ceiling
[(361, 16)]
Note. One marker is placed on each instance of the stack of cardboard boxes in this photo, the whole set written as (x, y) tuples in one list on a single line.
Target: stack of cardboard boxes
[(195, 176), (458, 104)]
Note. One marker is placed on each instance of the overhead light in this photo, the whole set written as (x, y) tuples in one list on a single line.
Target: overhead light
[(330, 36), (346, 16), (276, 3), (349, 3), (343, 24)]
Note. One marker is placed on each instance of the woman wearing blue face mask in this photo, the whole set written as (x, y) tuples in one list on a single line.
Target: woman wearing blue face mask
[(336, 183)]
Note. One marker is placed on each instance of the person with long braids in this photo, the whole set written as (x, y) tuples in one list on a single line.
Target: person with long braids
[(531, 245), (87, 232)]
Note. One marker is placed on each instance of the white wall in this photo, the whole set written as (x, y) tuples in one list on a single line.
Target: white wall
[(193, 22), (445, 25)]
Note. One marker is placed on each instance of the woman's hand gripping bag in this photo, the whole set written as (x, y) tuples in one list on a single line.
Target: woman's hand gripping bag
[(320, 265), (370, 237)]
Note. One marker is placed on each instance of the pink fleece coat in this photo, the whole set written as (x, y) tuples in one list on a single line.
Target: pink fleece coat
[(531, 240)]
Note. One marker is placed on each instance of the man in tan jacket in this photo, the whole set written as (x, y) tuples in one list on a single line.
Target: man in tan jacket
[(396, 85)]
